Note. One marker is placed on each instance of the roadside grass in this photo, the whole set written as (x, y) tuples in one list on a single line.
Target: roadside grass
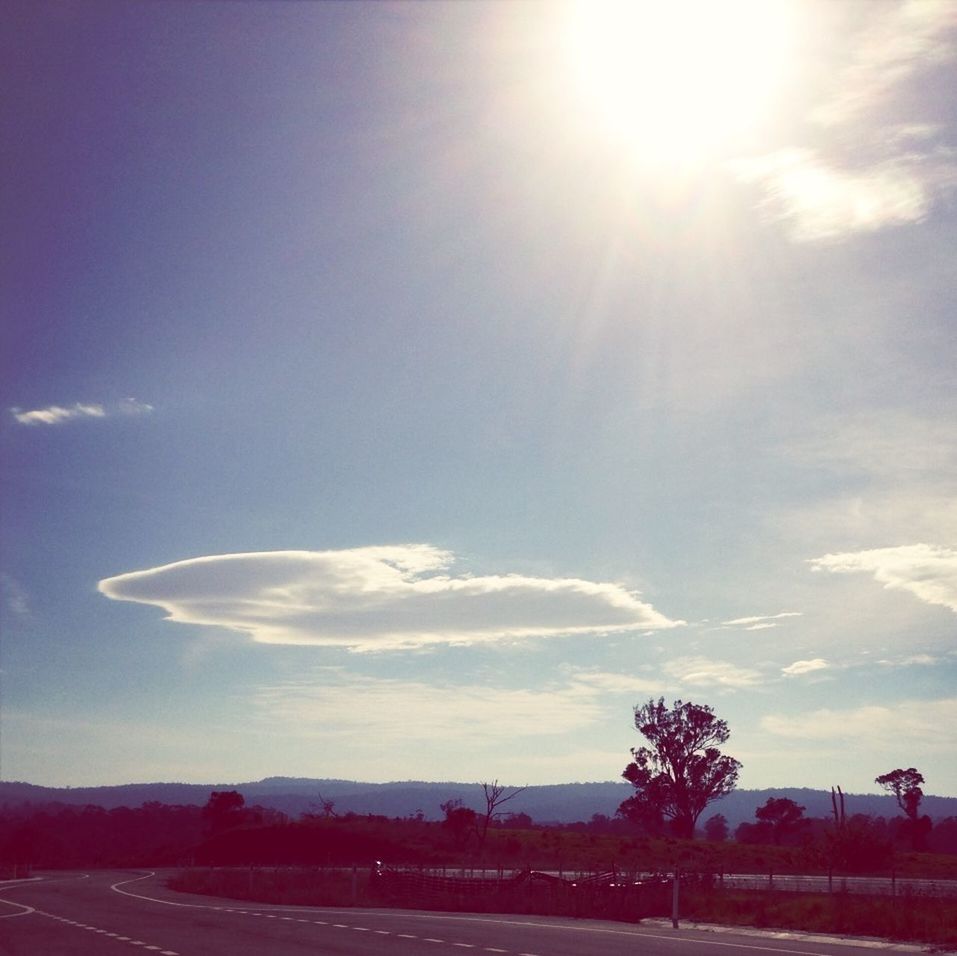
[(904, 918)]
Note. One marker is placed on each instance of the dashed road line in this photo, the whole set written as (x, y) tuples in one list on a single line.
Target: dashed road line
[(96, 930)]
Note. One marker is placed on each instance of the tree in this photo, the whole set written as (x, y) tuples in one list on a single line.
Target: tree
[(683, 770), (459, 820), (224, 809), (716, 828), (495, 795), (783, 816), (906, 787)]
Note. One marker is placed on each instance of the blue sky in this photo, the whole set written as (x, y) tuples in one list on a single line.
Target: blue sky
[(406, 391)]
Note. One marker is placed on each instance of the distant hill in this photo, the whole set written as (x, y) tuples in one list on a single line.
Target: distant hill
[(557, 803)]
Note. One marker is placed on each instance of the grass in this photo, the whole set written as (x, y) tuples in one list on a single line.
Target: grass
[(908, 918)]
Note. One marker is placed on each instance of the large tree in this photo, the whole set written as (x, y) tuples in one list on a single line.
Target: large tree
[(906, 787), (682, 770)]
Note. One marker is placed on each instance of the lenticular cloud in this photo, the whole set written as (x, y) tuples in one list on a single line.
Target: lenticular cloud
[(375, 598)]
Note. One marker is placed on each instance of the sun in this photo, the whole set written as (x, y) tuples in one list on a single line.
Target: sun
[(678, 80)]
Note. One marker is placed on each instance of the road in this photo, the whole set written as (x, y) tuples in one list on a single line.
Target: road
[(109, 913)]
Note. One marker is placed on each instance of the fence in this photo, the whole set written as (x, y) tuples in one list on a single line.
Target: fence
[(606, 895)]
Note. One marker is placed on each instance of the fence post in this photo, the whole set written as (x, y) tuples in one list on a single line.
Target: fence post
[(674, 900), (355, 884)]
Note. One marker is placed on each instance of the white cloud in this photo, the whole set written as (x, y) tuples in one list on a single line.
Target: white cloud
[(818, 200), (377, 597), (896, 174), (701, 672), (805, 667), (905, 722), (760, 622), (926, 571), (59, 415)]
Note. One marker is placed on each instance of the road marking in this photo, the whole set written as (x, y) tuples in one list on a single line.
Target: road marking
[(494, 949), (406, 936), (465, 945)]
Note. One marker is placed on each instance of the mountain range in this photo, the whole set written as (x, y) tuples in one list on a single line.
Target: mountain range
[(556, 803)]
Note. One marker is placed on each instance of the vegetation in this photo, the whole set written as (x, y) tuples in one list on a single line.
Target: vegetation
[(913, 919), (906, 787), (682, 771), (325, 858)]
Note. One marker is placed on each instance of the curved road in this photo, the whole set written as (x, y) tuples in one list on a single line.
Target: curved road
[(112, 913)]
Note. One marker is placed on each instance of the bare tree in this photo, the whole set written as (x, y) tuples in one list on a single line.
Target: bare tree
[(328, 806), (495, 795)]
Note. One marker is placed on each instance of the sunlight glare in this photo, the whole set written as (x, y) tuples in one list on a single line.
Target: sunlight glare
[(683, 80)]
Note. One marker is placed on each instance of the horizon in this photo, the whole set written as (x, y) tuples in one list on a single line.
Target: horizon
[(431, 783), (413, 389)]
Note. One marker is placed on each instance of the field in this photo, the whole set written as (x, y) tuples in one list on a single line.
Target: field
[(410, 847)]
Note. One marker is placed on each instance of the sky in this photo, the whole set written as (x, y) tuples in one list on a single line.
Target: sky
[(406, 391)]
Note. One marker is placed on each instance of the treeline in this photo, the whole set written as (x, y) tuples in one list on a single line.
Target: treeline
[(225, 832)]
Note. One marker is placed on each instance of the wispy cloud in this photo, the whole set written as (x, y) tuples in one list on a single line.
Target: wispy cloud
[(914, 660), (891, 446), (908, 721), (926, 571), (819, 200), (805, 667), (612, 683), (14, 596), (902, 39), (701, 672), (759, 622), (377, 597), (403, 710), (60, 414), (899, 169)]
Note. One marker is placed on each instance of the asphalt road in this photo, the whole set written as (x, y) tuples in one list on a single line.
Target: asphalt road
[(112, 913)]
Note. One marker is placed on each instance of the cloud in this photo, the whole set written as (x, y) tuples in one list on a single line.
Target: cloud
[(905, 722), (701, 672), (60, 415), (818, 200), (759, 622), (805, 667), (14, 596), (890, 446), (926, 571), (902, 38), (57, 414), (898, 169), (402, 710), (612, 683), (914, 660), (377, 597)]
